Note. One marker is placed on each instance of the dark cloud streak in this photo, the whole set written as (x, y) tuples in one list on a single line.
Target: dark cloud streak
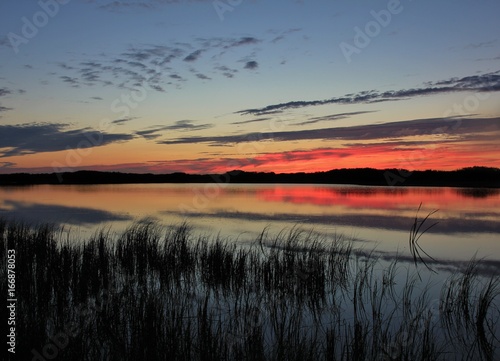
[(332, 117), (180, 125), (392, 130), (48, 137), (251, 65), (489, 82)]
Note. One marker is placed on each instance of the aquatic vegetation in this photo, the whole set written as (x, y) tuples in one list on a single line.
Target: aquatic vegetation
[(156, 293)]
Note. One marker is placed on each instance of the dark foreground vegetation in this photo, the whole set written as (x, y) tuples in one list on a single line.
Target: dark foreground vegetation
[(160, 293), (467, 177)]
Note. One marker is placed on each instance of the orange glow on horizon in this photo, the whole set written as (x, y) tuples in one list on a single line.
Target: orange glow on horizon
[(446, 156)]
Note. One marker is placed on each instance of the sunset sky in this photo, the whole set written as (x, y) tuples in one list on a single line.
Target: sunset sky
[(210, 86)]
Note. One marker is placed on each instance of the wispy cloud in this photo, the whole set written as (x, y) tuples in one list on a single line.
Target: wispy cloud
[(32, 138), (180, 126), (30, 212), (123, 120), (251, 65), (227, 43), (281, 35), (7, 164), (483, 44), (4, 92), (418, 127), (159, 65), (74, 82), (247, 40), (489, 82), (226, 71), (187, 125), (332, 117), (194, 55), (252, 121), (486, 59), (202, 76), (4, 41), (132, 5)]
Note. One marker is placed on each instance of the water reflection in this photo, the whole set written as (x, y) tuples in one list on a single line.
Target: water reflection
[(468, 218), (56, 214), (477, 192)]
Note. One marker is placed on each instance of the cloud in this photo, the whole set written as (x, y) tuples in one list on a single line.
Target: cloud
[(157, 88), (176, 77), (252, 121), (247, 40), (138, 66), (120, 6), (226, 71), (124, 6), (489, 82), (180, 125), (227, 43), (74, 82), (7, 164), (30, 212), (484, 59), (149, 65), (187, 125), (193, 56), (282, 35), (4, 92), (123, 121), (484, 44), (202, 76), (332, 117), (4, 41), (251, 65), (65, 66), (32, 138), (418, 127)]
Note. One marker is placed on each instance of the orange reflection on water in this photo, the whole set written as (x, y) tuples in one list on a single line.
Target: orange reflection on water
[(469, 219), (354, 198)]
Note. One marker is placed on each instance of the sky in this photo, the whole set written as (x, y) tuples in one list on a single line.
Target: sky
[(205, 86)]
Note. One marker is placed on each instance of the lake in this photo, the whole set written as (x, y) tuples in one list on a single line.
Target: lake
[(253, 298), (374, 217)]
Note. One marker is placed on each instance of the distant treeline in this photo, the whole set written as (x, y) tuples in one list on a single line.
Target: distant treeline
[(466, 177)]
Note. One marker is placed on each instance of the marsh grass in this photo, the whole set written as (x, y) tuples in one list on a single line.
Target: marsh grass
[(156, 293), (416, 232)]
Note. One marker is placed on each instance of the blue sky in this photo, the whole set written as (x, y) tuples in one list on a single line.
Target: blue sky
[(162, 81)]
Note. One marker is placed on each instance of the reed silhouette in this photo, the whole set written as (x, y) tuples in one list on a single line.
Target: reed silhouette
[(158, 293)]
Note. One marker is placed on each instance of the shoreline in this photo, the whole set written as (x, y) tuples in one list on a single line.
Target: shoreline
[(474, 177)]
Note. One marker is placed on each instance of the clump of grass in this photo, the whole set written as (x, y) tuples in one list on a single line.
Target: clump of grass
[(416, 232), (471, 312), (154, 292)]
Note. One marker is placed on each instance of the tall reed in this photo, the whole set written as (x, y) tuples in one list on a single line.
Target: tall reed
[(157, 293)]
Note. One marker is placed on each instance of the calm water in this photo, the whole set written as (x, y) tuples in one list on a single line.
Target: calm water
[(376, 217)]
